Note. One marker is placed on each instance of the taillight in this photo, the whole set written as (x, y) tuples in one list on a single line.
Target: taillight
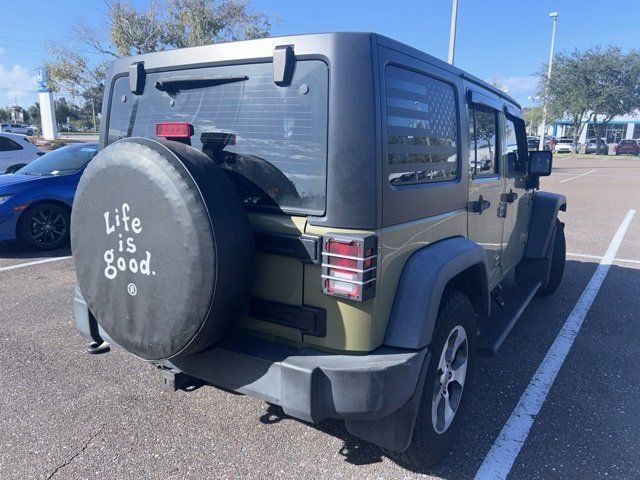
[(349, 266), (174, 130)]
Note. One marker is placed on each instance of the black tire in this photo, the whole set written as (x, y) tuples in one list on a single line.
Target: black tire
[(30, 133), (168, 268), (428, 447), (45, 226), (558, 261)]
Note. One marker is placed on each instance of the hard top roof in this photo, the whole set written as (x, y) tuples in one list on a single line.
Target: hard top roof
[(340, 38)]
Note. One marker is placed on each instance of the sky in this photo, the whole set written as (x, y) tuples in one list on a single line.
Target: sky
[(497, 40)]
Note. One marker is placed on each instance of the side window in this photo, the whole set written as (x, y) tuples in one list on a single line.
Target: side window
[(422, 128), (514, 146), (7, 145), (483, 128)]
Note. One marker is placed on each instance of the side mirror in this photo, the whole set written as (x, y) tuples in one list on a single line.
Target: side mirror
[(540, 162)]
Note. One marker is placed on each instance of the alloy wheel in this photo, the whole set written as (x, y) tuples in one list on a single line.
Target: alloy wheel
[(48, 226), (450, 378)]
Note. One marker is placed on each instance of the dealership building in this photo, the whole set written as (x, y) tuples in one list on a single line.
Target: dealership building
[(626, 127)]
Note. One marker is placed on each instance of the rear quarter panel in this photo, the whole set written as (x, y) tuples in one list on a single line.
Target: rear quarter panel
[(360, 327)]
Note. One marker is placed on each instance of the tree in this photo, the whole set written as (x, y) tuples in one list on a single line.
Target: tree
[(565, 92), (80, 70), (594, 85), (73, 72), (34, 113), (613, 85), (66, 111), (200, 22), (532, 117), (133, 31)]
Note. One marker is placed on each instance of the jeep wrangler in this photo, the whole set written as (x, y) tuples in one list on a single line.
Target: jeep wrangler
[(333, 223)]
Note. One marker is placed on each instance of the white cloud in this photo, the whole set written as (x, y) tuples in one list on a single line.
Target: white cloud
[(519, 85), (16, 83)]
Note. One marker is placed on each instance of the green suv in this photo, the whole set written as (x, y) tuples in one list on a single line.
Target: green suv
[(334, 223)]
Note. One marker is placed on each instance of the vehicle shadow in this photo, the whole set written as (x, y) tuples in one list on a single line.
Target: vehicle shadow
[(354, 450), (499, 381), (19, 250)]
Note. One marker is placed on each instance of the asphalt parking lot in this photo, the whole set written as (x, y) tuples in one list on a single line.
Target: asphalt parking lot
[(65, 414)]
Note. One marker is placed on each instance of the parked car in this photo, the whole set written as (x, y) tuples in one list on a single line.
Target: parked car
[(564, 145), (17, 128), (533, 143), (369, 292), (549, 142), (35, 202), (628, 147), (595, 146), (16, 151)]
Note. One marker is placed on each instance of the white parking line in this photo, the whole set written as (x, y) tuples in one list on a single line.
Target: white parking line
[(28, 264), (598, 257), (498, 462), (578, 176)]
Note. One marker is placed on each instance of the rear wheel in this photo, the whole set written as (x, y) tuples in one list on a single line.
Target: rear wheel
[(558, 261), (446, 387), (30, 133), (45, 226)]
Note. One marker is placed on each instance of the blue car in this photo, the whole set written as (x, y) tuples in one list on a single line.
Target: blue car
[(35, 201)]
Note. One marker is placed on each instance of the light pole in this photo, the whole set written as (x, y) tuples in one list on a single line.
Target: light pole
[(553, 15), (533, 105), (452, 31)]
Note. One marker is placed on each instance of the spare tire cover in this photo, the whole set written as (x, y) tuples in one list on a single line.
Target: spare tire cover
[(162, 247)]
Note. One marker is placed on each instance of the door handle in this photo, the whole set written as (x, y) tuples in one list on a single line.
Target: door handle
[(509, 197), (479, 205)]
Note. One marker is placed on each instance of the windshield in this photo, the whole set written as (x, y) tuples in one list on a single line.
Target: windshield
[(59, 162), (272, 140)]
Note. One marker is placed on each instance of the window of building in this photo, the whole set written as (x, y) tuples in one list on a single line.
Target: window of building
[(483, 125), (422, 128), (612, 134), (8, 145)]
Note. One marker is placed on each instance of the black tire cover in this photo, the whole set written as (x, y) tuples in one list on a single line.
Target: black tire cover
[(162, 247)]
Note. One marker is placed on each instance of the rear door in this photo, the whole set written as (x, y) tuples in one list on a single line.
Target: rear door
[(271, 140), (486, 183)]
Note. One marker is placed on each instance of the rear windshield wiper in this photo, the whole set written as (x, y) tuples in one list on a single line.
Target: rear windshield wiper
[(175, 84)]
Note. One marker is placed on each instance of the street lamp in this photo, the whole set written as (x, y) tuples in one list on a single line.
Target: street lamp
[(553, 15), (452, 30), (533, 104)]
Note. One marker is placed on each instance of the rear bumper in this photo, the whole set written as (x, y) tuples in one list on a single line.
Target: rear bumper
[(308, 384)]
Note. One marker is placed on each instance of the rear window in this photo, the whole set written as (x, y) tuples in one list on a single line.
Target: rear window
[(272, 140)]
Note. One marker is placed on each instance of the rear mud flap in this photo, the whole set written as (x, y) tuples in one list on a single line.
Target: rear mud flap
[(395, 431)]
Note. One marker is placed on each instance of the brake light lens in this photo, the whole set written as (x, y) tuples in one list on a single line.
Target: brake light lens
[(349, 266), (173, 130)]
